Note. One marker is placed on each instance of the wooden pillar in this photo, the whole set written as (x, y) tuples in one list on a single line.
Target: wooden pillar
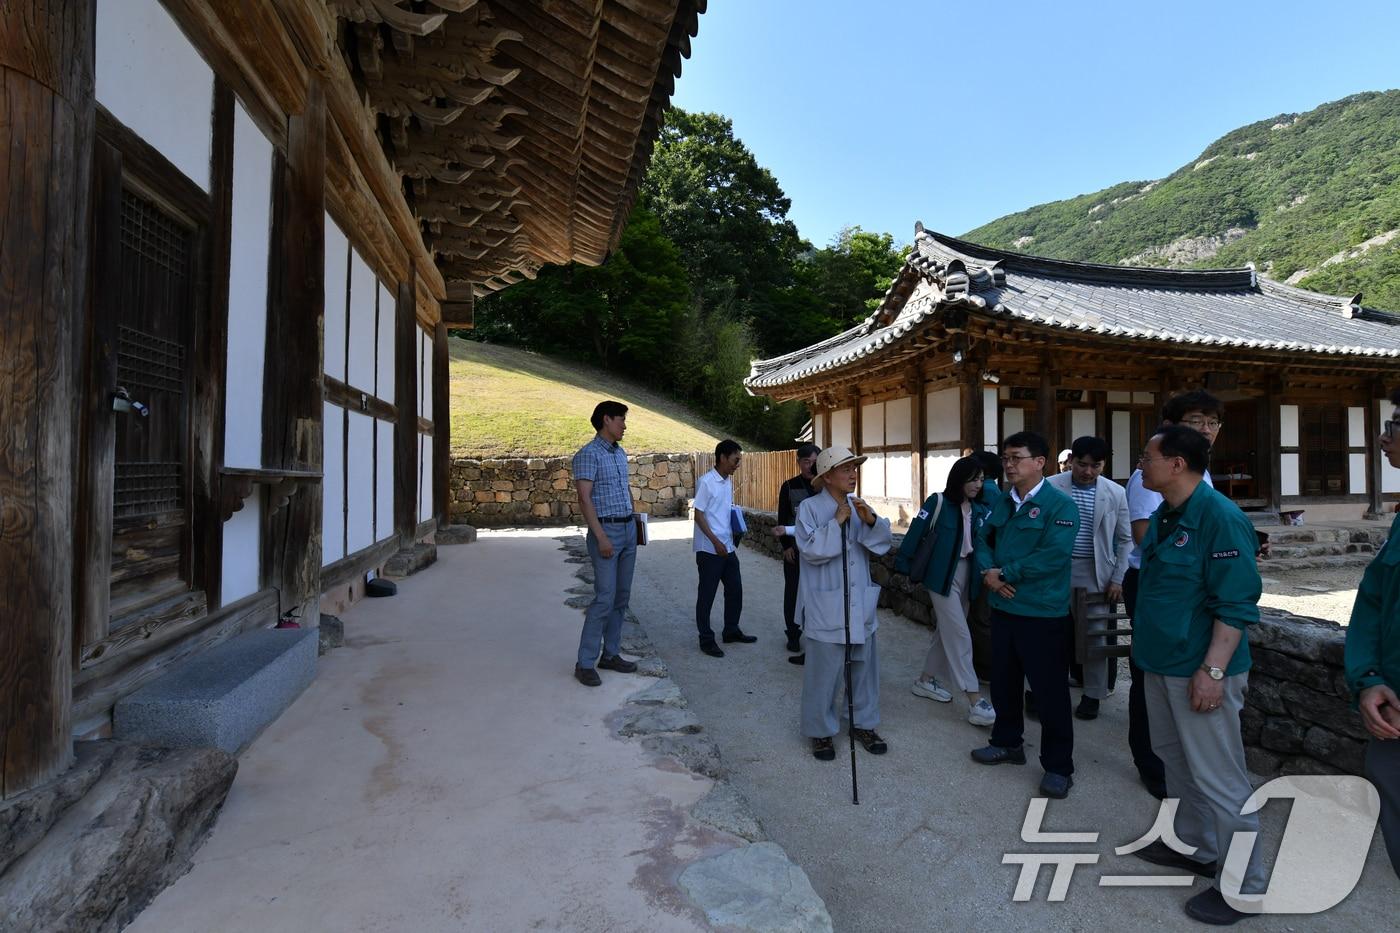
[(442, 428), (853, 399), (1045, 411), (406, 401), (1100, 414), (47, 116), (973, 428), (1375, 466), (1271, 426), (293, 386), (918, 431)]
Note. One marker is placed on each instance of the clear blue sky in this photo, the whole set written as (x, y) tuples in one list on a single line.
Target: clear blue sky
[(884, 112)]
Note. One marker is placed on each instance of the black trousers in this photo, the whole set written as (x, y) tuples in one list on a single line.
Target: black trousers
[(1027, 648), (1139, 733), (714, 570), (790, 576)]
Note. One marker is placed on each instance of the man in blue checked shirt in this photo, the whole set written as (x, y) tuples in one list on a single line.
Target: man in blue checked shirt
[(605, 497)]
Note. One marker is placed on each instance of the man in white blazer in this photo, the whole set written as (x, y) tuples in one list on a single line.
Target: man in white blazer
[(1101, 547)]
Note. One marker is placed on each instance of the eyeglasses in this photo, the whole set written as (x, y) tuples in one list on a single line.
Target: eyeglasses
[(1009, 461), (1391, 428), (1211, 424), (1144, 458)]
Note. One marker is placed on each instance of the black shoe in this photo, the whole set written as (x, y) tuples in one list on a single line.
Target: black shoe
[(587, 676), (871, 741), (1088, 708), (823, 749), (1030, 707), (798, 659), (617, 663), (738, 636), (1056, 785), (996, 755), (1157, 787), (793, 645), (1211, 907), (1159, 853), (712, 649)]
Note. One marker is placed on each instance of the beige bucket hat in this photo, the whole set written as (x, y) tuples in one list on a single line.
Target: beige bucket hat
[(835, 456)]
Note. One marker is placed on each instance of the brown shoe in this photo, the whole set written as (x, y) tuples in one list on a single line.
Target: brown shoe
[(871, 741), (823, 749), (587, 676), (617, 663)]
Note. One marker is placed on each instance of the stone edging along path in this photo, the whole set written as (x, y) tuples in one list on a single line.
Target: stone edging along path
[(754, 886)]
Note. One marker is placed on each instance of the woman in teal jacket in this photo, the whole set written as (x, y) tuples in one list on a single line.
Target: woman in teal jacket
[(952, 517)]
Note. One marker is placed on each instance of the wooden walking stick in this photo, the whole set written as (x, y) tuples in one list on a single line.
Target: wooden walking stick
[(850, 698)]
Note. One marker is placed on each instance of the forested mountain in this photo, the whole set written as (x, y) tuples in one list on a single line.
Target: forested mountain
[(1312, 199)]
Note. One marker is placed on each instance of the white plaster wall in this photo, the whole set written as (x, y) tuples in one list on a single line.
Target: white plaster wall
[(1121, 424), (425, 377), (1288, 428), (937, 465), (1356, 426), (384, 381), (1013, 420), (337, 296), (1390, 477), (899, 421), (1120, 398), (1288, 472), (151, 79), (817, 437), (425, 478), (242, 550), (943, 416), (899, 479), (1081, 423), (247, 294), (872, 476), (1356, 470), (359, 486), (989, 420), (384, 481), (363, 293), (872, 425), (841, 428), (333, 484)]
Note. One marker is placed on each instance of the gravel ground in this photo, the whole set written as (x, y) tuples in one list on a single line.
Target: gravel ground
[(1326, 593)]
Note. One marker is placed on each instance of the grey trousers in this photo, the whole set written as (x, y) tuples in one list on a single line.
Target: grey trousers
[(1204, 758), (1082, 574), (949, 658), (824, 686), (1383, 769), (612, 590)]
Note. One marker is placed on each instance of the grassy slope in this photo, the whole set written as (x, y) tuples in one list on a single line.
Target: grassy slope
[(513, 403), (1304, 186)]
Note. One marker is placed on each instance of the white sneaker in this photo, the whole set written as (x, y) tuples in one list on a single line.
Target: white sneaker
[(981, 713), (932, 689)]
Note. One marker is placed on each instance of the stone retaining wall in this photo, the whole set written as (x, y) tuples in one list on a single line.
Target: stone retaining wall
[(540, 491), (1297, 717)]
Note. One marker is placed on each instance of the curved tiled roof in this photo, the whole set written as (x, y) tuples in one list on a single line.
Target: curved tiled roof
[(1219, 308)]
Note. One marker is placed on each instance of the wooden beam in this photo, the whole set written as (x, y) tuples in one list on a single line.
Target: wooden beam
[(47, 119), (442, 426), (1374, 466), (1270, 425), (973, 429), (405, 459), (293, 390), (918, 433), (1045, 409)]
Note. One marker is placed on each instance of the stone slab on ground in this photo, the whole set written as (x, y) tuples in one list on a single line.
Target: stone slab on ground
[(652, 720), (225, 696), (114, 847), (662, 693), (696, 751), (455, 534), (756, 887), (727, 810), (410, 560)]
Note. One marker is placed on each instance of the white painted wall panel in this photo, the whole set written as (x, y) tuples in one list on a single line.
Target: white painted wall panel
[(1356, 464), (359, 487), (333, 484), (1288, 472), (363, 295), (841, 428), (1081, 423), (899, 422), (425, 377), (872, 476), (937, 465), (247, 296), (1120, 398), (1288, 427), (1124, 457), (943, 416), (384, 481), (1356, 426), (151, 79), (425, 479), (384, 383), (899, 479), (1013, 420), (242, 547), (872, 425), (818, 437), (990, 440), (337, 296)]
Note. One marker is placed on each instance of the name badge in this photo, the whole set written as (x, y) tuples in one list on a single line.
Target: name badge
[(1064, 521), (1224, 555)]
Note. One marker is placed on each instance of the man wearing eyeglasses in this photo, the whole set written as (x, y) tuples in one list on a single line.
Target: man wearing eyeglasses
[(1373, 660), (1023, 553), (1198, 592), (1201, 412)]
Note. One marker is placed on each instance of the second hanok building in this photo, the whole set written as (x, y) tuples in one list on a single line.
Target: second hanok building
[(971, 344)]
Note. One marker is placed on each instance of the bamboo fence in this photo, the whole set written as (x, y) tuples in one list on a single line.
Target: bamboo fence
[(759, 478)]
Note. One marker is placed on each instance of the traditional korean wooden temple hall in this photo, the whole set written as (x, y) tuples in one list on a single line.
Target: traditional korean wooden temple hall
[(971, 344), (233, 236)]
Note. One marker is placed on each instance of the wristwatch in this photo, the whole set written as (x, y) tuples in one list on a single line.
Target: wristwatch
[(1216, 673)]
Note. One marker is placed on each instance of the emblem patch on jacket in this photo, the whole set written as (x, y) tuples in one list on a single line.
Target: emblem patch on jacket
[(1034, 512), (1181, 539), (923, 513)]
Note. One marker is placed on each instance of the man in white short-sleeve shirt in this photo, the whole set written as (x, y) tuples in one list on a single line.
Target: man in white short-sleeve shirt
[(715, 559)]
